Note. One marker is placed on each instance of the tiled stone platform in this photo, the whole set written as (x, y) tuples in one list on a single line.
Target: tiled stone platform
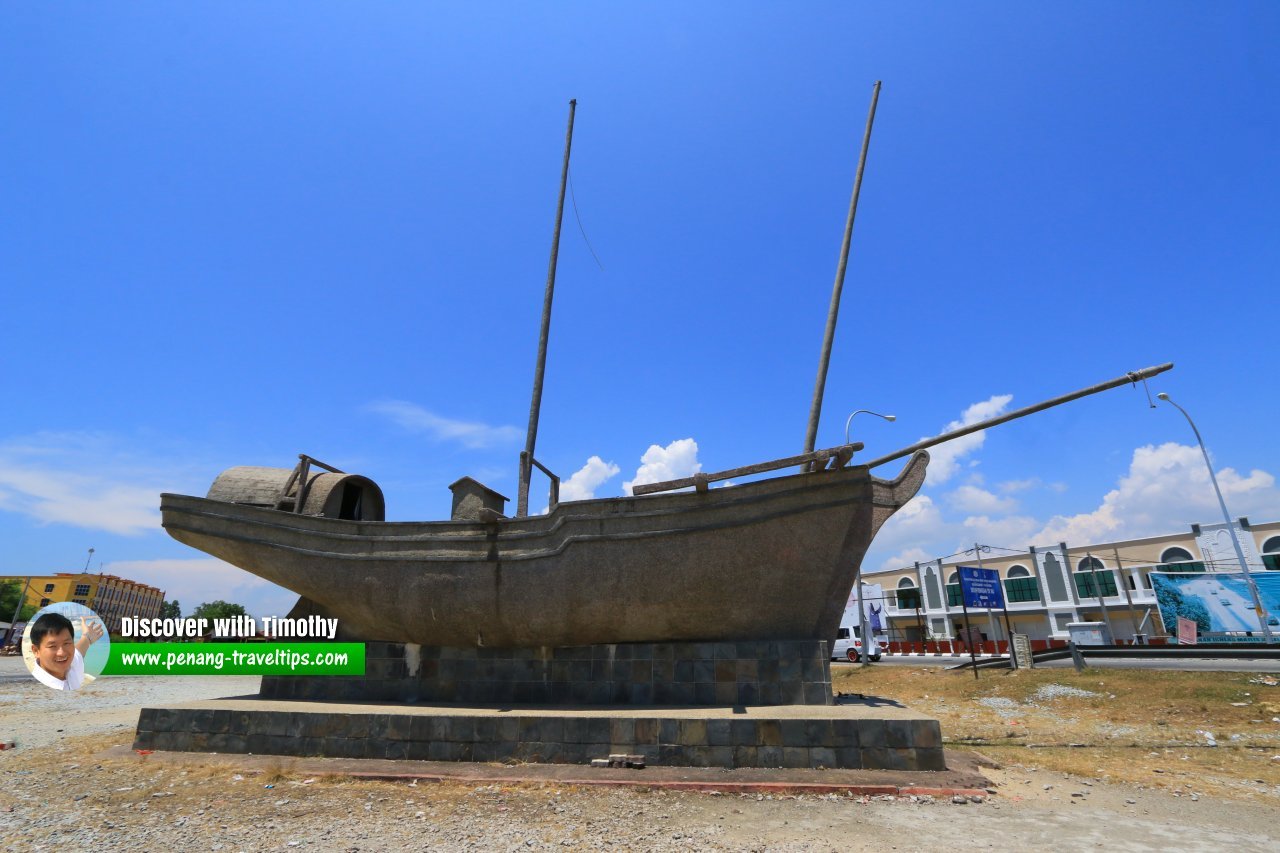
[(848, 735), (749, 672)]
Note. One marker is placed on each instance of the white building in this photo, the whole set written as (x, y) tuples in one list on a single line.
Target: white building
[(1049, 586)]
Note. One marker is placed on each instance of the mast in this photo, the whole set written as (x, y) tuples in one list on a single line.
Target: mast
[(819, 387), (526, 457), (1133, 377), (839, 457)]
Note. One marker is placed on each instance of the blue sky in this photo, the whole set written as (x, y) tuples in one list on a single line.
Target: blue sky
[(237, 232)]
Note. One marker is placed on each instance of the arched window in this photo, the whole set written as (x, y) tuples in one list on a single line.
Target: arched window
[(1179, 560), (955, 596), (908, 595), (1020, 586), (1089, 570), (1271, 554)]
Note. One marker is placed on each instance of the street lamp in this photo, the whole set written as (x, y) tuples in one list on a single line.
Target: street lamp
[(1244, 564), (849, 422), (867, 638)]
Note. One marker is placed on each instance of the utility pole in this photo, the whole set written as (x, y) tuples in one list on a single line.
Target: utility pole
[(991, 619), (1231, 529), (1128, 597), (1097, 588), (864, 659), (22, 597)]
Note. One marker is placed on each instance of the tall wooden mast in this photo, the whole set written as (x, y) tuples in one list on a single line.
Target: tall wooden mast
[(526, 457), (819, 387)]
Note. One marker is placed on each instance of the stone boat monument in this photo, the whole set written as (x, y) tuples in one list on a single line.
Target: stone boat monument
[(685, 624)]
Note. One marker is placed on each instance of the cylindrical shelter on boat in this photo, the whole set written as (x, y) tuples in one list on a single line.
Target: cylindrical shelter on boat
[(328, 494)]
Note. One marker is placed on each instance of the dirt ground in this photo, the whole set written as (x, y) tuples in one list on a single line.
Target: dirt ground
[(58, 791), (1193, 732)]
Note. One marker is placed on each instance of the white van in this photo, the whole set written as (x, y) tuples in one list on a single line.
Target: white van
[(848, 645)]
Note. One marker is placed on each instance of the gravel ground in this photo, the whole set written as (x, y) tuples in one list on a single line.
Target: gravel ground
[(57, 791), (107, 705)]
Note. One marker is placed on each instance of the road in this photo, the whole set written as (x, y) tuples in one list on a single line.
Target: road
[(1173, 664)]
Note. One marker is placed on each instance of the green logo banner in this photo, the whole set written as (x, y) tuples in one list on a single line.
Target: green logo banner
[(235, 659)]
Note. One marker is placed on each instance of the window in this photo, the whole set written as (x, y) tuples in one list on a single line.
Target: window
[(1181, 568), (1179, 561), (908, 595), (79, 601), (955, 595), (81, 589), (1106, 583), (1176, 555), (1271, 554), (44, 602), (1020, 586), (48, 587), (842, 634), (1089, 569)]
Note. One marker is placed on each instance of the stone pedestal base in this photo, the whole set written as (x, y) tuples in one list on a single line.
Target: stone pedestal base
[(853, 735), (749, 672)]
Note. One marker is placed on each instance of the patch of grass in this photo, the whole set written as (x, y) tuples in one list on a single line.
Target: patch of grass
[(274, 773)]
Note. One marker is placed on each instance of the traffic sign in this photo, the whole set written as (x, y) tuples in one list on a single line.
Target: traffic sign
[(981, 587)]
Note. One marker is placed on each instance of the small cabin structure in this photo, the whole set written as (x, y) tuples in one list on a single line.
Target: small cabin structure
[(471, 496)]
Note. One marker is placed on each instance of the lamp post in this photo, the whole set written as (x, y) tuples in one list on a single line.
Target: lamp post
[(1244, 564), (848, 423), (867, 638)]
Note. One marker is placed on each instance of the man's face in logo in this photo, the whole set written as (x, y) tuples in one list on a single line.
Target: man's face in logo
[(55, 653)]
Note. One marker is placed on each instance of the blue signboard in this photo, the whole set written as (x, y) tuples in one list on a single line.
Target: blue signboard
[(981, 587)]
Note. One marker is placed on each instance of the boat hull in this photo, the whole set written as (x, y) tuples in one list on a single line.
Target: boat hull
[(768, 560)]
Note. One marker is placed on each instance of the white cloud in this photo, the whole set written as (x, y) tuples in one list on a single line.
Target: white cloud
[(84, 480), (976, 500), (584, 482), (1165, 488), (1010, 487), (902, 559), (678, 459), (62, 497), (1010, 531), (918, 524), (918, 512), (945, 458), (414, 418), (203, 579)]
